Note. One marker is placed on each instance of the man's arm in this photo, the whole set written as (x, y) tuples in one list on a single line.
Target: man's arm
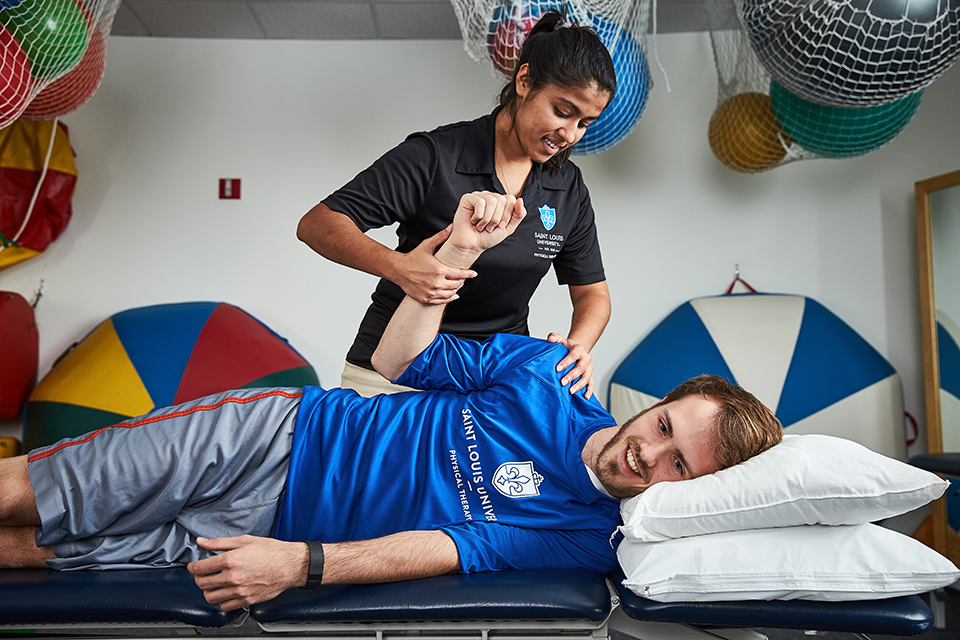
[(591, 312), (482, 221), (252, 569), (335, 236)]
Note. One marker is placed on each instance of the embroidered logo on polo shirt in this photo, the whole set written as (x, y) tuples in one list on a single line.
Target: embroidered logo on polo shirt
[(517, 480), (548, 216)]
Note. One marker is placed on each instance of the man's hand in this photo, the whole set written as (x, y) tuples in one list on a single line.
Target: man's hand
[(483, 220), (249, 569), (426, 279), (576, 353)]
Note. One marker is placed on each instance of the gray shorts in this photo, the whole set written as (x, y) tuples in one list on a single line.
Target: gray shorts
[(137, 494)]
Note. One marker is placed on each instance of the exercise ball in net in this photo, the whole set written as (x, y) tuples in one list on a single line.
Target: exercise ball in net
[(850, 53), (836, 132), (52, 32), (512, 22), (744, 133), (621, 116), (71, 91), (14, 78), (64, 43)]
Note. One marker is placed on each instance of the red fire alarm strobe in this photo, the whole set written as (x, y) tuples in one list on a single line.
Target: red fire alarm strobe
[(229, 188)]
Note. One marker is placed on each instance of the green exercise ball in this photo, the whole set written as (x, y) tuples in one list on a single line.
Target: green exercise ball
[(53, 33), (837, 132)]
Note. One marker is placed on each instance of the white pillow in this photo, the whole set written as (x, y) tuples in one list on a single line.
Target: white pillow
[(856, 562), (806, 479)]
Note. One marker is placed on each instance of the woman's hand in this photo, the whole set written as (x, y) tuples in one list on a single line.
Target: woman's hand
[(583, 369), (426, 279), (482, 220)]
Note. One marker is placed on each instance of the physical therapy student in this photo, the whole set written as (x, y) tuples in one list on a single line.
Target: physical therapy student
[(493, 466), (563, 80)]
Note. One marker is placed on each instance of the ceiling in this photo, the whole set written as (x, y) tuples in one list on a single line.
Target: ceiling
[(328, 19)]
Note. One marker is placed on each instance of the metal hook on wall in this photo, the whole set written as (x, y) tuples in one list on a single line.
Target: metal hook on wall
[(737, 278)]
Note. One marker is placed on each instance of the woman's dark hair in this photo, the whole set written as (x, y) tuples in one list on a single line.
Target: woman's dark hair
[(565, 56)]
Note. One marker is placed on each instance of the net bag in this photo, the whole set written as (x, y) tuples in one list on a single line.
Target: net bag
[(743, 133), (759, 123), (494, 31), (850, 53), (52, 55)]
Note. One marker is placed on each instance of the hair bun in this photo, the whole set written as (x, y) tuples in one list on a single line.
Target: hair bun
[(552, 20)]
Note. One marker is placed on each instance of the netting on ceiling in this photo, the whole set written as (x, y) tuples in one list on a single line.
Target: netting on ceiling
[(52, 55), (494, 31)]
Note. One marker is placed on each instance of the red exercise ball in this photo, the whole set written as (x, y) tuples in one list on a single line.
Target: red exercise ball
[(14, 78), (70, 92), (512, 22)]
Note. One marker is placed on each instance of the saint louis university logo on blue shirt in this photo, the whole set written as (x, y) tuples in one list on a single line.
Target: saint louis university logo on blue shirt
[(517, 480), (548, 216)]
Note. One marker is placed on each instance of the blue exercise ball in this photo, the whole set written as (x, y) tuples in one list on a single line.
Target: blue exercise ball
[(621, 116)]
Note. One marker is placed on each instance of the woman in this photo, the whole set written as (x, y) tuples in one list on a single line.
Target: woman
[(563, 80)]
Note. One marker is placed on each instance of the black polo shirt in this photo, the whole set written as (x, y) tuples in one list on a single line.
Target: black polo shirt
[(419, 184)]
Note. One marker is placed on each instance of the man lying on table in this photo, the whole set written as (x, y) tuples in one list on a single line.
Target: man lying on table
[(497, 466)]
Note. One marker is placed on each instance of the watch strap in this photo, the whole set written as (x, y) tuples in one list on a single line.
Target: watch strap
[(315, 571)]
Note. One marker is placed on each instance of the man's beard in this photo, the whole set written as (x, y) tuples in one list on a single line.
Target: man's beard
[(608, 467)]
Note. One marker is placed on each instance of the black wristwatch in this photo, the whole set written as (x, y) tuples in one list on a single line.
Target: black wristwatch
[(315, 572)]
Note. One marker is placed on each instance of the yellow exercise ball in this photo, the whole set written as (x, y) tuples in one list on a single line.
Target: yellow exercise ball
[(744, 134), (9, 447)]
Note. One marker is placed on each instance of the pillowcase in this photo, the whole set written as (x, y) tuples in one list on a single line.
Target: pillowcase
[(806, 479), (855, 562)]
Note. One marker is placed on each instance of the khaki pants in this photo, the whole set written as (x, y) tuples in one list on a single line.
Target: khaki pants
[(366, 382)]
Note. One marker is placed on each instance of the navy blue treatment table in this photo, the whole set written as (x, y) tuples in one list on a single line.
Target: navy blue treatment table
[(521, 605)]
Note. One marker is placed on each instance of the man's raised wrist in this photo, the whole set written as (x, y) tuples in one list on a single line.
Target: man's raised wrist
[(457, 257)]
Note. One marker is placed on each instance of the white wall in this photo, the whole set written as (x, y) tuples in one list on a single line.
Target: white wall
[(295, 120)]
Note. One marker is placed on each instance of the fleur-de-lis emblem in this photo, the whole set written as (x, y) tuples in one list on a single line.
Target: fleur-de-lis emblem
[(517, 480), (548, 216)]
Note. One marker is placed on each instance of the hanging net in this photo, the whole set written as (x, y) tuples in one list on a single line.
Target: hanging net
[(744, 133), (759, 123), (52, 55), (494, 31), (853, 53)]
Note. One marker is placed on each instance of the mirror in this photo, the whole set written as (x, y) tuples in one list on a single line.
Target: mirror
[(938, 237)]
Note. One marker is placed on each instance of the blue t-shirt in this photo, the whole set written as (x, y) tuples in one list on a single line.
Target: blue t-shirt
[(491, 456)]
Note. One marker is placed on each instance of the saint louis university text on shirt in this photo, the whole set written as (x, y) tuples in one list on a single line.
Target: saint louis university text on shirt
[(475, 473), (548, 245)]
